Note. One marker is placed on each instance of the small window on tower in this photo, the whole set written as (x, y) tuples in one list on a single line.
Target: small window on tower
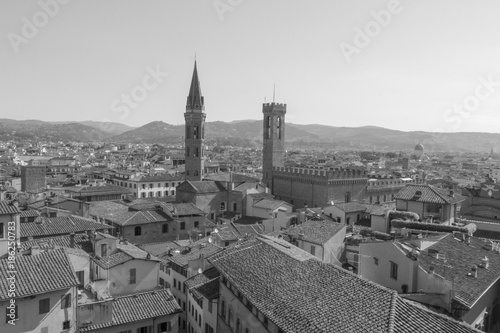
[(279, 128), (195, 132), (188, 132), (187, 151), (268, 127)]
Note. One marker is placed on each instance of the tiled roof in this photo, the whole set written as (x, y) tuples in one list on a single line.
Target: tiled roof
[(246, 186), (318, 232), (41, 273), (270, 204), (205, 284), (258, 196), (460, 258), (428, 194), (350, 207), (113, 260), (159, 249), (97, 190), (250, 229), (7, 208), (183, 209), (160, 178), (206, 250), (104, 208), (249, 220), (139, 307), (225, 177), (300, 294), (29, 213), (53, 226), (82, 242), (205, 186)]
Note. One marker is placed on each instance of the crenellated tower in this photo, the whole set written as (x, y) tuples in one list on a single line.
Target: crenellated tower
[(273, 152), (195, 130)]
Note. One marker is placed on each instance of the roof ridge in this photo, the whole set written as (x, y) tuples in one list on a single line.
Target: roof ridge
[(204, 283), (392, 312)]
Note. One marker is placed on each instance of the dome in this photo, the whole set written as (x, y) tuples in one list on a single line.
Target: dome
[(419, 147)]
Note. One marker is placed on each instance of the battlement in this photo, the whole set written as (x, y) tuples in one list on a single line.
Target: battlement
[(327, 173), (269, 107)]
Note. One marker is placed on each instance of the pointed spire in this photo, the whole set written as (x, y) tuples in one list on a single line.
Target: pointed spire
[(195, 99)]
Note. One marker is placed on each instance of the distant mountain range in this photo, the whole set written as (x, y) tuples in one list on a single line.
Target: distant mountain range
[(243, 131)]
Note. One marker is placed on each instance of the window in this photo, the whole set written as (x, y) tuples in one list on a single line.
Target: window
[(132, 276), (313, 250), (1, 231), (65, 301), (150, 194), (238, 325), (235, 206), (81, 277), (151, 185), (394, 270), (208, 329), (223, 309), (265, 322), (164, 229), (230, 317), (196, 224), (375, 261), (8, 313), (183, 225), (104, 250), (164, 327), (158, 194), (210, 306), (43, 305), (145, 329), (172, 192), (196, 152), (137, 231), (222, 206)]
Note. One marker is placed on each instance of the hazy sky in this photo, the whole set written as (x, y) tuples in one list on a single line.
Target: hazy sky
[(409, 65)]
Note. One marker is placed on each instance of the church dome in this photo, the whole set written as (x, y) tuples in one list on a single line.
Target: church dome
[(419, 147)]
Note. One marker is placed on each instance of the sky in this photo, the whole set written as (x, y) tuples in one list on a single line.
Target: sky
[(406, 65)]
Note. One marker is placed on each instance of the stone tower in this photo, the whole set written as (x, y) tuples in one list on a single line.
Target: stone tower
[(273, 152), (195, 130)]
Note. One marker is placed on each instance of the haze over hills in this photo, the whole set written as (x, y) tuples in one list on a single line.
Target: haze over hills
[(245, 131)]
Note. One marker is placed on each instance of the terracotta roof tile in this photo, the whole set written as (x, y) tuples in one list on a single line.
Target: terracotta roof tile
[(318, 232), (54, 226), (45, 272), (302, 294), (428, 194), (7, 208)]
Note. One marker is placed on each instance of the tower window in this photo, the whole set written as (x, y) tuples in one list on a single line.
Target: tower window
[(195, 132), (188, 132), (196, 152), (279, 127), (268, 127), (187, 151)]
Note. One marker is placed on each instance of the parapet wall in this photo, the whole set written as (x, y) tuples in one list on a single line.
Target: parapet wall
[(331, 173)]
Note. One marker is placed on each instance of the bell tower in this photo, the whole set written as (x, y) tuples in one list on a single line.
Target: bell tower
[(273, 152), (195, 130)]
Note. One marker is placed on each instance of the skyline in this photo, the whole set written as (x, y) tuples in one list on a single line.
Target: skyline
[(333, 68)]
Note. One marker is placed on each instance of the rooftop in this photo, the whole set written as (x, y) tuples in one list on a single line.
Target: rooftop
[(38, 274), (299, 293), (458, 261), (138, 307), (429, 194), (318, 232), (52, 226)]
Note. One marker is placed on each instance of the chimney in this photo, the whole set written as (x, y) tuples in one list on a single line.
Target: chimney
[(485, 262), (431, 269), (452, 193), (72, 240), (474, 271)]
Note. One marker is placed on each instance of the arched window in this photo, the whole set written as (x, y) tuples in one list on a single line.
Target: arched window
[(195, 132), (196, 172), (137, 231), (235, 206), (348, 197), (164, 228), (222, 206)]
